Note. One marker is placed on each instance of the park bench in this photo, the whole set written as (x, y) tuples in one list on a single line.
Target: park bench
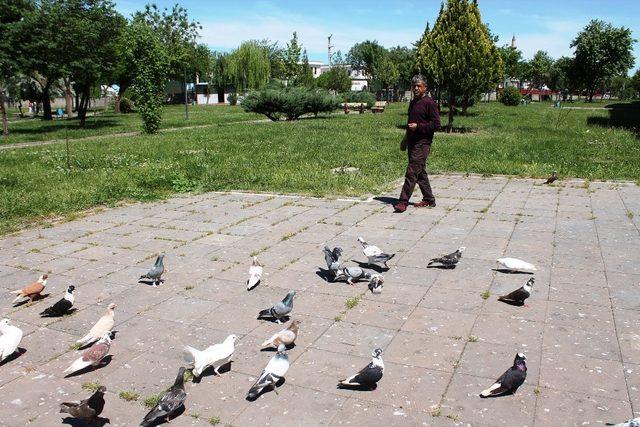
[(348, 106), (379, 107)]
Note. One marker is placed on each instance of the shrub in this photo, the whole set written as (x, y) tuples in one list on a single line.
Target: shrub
[(511, 96), (232, 98), (290, 103), (362, 96), (126, 105)]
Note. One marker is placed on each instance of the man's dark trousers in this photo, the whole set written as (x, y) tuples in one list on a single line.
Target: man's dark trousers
[(416, 172)]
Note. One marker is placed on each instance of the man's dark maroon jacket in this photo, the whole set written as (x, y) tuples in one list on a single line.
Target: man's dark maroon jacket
[(424, 112)]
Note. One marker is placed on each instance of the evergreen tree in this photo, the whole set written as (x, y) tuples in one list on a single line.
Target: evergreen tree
[(459, 54), (387, 74), (292, 59), (305, 75)]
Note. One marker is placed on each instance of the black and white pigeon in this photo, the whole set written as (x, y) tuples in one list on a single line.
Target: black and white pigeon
[(155, 272), (280, 310), (634, 422), (87, 409), (375, 284), (352, 274), (369, 376), (171, 402), (273, 373), (552, 178), (255, 274), (61, 307), (509, 382), (518, 296), (374, 254), (449, 261), (332, 258)]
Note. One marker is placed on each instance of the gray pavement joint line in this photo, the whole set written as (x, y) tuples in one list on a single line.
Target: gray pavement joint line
[(544, 328), (464, 345)]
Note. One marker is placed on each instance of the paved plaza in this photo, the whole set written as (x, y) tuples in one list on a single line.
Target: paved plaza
[(443, 341)]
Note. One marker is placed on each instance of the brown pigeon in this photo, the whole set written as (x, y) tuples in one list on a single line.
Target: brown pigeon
[(552, 178), (285, 336), (88, 409), (91, 356), (31, 291)]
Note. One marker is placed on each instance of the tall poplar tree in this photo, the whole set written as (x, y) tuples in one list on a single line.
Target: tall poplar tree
[(291, 59), (459, 54)]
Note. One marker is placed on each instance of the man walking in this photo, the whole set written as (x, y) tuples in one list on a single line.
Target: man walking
[(422, 122)]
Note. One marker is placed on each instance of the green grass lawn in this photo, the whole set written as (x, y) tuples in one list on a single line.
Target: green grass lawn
[(25, 130), (297, 157)]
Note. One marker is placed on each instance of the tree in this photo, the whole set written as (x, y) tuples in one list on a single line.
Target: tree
[(405, 60), (620, 87), (635, 83), (366, 56), (387, 73), (305, 75), (249, 66), (540, 69), (218, 77), (511, 60), (122, 74), (459, 54), (601, 51), (291, 59), (560, 77), (150, 71), (336, 79)]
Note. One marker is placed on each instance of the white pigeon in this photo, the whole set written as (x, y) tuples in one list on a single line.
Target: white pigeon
[(216, 355), (374, 254), (9, 340), (515, 264), (273, 373), (92, 356), (255, 274), (102, 326)]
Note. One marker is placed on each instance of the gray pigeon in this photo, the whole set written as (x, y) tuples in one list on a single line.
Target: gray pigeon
[(272, 374), (376, 283), (155, 272), (280, 310), (634, 422), (88, 409), (353, 274), (448, 261), (167, 406), (332, 258)]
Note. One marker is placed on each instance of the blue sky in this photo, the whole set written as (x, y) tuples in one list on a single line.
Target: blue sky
[(541, 24)]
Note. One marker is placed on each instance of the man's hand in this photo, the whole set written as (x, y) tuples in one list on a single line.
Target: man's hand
[(412, 126)]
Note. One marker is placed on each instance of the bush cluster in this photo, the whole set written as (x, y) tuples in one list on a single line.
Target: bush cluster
[(511, 96), (232, 98), (290, 103), (362, 96), (126, 105)]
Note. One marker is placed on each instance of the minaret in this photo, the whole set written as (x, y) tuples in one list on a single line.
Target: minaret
[(513, 42)]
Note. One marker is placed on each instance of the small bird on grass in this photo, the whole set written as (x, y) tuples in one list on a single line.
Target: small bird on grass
[(518, 296), (62, 306), (170, 402), (155, 272), (87, 409), (273, 373), (31, 291), (509, 382), (368, 377), (91, 356), (450, 260), (280, 310), (286, 336), (374, 254), (552, 178)]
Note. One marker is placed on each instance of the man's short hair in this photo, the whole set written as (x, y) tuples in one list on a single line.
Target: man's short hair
[(418, 78)]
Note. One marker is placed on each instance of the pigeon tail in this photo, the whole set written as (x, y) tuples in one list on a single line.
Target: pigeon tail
[(494, 390), (16, 299), (264, 313), (78, 365), (65, 407)]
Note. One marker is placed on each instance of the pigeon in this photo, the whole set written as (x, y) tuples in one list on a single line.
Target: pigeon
[(91, 356), (31, 291), (10, 338), (273, 373), (369, 376), (170, 402), (61, 307), (104, 324), (634, 422), (374, 254), (514, 264), (518, 296), (375, 284), (255, 274), (552, 178), (155, 272), (509, 382), (281, 309), (88, 409), (352, 274), (286, 336), (332, 258), (449, 261), (216, 355)]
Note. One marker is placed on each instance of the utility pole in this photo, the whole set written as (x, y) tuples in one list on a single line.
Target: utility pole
[(329, 46)]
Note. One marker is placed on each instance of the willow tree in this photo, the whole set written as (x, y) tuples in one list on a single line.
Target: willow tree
[(459, 55), (249, 66)]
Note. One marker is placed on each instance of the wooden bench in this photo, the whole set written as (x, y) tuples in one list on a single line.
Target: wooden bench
[(348, 106), (379, 107)]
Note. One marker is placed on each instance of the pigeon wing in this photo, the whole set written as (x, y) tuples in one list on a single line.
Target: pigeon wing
[(372, 251), (328, 257), (96, 353), (519, 295), (281, 309), (367, 376)]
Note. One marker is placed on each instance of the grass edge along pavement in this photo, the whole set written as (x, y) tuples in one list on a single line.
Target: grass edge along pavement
[(37, 184)]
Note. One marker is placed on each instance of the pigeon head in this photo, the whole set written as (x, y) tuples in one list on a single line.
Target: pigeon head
[(71, 288), (519, 359), (106, 337), (376, 353), (337, 250), (531, 281), (232, 338), (43, 278), (361, 240), (294, 324), (102, 389), (289, 297), (180, 377), (461, 249), (255, 261), (4, 322), (111, 306)]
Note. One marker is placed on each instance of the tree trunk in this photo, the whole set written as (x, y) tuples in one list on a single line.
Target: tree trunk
[(68, 97), (5, 121), (46, 103), (116, 102), (82, 107), (452, 101)]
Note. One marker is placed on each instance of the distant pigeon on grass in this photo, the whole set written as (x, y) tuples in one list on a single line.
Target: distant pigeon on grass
[(10, 338), (450, 260), (634, 422), (215, 356), (273, 373), (518, 296), (280, 310), (155, 272), (286, 336), (255, 274), (552, 178), (31, 291), (374, 254), (509, 382), (61, 307), (515, 264), (103, 325), (375, 284), (87, 409), (368, 377), (169, 404), (91, 356)]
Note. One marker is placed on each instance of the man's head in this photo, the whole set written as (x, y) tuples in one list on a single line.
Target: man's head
[(418, 86)]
